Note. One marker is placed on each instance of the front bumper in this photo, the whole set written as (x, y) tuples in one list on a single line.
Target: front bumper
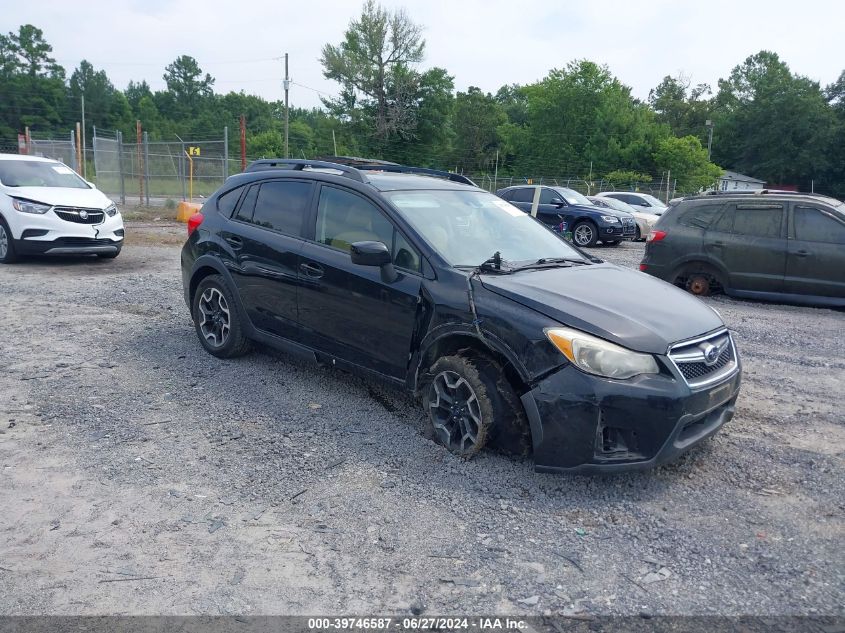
[(616, 232), (587, 424), (69, 246)]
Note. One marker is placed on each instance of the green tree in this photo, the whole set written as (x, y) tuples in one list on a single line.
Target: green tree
[(686, 160), (185, 81), (477, 118), (772, 124), (374, 66), (684, 108)]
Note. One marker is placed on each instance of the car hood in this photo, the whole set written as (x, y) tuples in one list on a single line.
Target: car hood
[(594, 208), (64, 196), (623, 306)]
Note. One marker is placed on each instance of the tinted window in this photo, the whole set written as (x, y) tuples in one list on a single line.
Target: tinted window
[(547, 196), (227, 202), (344, 218), (523, 195), (506, 195), (248, 205), (700, 215), (758, 220), (281, 205), (815, 225)]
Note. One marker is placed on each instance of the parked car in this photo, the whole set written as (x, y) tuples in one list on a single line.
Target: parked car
[(587, 223), (645, 221), (509, 334), (767, 245), (641, 201), (47, 209)]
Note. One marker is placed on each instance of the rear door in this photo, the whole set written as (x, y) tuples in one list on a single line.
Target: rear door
[(266, 237), (815, 262), (749, 240), (345, 309)]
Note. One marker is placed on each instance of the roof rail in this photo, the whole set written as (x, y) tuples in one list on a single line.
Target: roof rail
[(353, 161), (297, 164), (760, 192), (404, 169)]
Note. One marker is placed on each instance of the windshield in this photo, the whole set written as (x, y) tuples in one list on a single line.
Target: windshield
[(572, 196), (651, 199), (468, 227), (36, 173), (613, 203)]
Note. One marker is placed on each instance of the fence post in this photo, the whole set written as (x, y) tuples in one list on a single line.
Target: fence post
[(225, 152), (93, 149), (147, 166), (73, 152), (120, 167)]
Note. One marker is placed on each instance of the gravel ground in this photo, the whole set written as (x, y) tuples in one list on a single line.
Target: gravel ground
[(140, 475)]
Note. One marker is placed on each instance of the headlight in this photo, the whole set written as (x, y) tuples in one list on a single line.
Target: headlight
[(111, 210), (610, 219), (596, 356), (28, 206)]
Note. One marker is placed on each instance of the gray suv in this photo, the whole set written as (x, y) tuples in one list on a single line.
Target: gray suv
[(770, 245)]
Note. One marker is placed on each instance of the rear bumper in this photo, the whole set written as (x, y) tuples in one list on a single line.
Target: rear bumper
[(586, 424)]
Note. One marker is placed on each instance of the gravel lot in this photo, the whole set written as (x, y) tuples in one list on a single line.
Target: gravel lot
[(142, 476)]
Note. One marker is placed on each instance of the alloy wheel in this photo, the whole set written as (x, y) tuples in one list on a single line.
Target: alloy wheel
[(4, 242), (455, 411), (583, 234), (215, 322)]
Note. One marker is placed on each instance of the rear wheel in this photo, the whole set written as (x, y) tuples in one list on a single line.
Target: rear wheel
[(216, 319), (585, 233), (638, 236), (7, 245), (699, 284), (471, 404)]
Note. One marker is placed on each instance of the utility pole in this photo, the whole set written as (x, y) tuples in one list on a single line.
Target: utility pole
[(84, 169), (668, 183), (334, 141), (243, 142), (709, 125), (287, 88), (496, 172)]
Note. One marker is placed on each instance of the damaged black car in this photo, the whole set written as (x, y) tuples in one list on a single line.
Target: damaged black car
[(510, 336)]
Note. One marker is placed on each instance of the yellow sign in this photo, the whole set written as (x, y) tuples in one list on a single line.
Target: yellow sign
[(193, 151), (530, 181)]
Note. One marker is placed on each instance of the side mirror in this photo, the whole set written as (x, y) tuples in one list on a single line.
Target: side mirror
[(374, 254), (558, 202), (91, 184), (643, 203)]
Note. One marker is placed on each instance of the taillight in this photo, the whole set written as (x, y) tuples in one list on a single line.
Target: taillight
[(643, 267), (194, 221), (655, 236)]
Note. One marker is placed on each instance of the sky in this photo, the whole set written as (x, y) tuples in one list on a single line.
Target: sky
[(484, 43)]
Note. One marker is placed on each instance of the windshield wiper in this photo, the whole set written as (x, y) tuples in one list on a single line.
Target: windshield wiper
[(552, 262)]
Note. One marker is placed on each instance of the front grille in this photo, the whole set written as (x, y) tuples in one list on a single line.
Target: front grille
[(690, 358), (80, 215), (82, 241)]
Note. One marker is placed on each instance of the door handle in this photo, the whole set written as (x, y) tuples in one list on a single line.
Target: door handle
[(802, 253), (718, 243), (315, 271), (234, 241)]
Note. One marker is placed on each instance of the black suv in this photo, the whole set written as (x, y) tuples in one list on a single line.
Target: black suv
[(509, 334), (566, 209), (769, 245)]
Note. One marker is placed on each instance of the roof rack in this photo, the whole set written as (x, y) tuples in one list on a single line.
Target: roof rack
[(404, 169), (353, 172), (296, 164), (354, 161), (760, 192)]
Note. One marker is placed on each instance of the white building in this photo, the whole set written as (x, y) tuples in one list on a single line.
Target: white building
[(732, 181)]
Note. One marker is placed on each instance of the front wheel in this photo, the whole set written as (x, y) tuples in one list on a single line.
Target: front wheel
[(216, 319), (585, 234), (471, 404), (7, 245)]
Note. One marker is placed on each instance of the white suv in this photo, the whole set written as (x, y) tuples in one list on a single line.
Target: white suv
[(47, 209), (640, 201)]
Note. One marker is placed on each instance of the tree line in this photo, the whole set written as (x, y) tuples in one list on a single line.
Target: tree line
[(580, 120)]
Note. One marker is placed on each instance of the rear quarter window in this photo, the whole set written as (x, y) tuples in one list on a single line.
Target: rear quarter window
[(699, 215)]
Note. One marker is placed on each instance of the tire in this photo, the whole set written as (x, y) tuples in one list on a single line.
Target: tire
[(7, 245), (109, 255), (216, 319), (485, 409), (639, 235), (585, 233)]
